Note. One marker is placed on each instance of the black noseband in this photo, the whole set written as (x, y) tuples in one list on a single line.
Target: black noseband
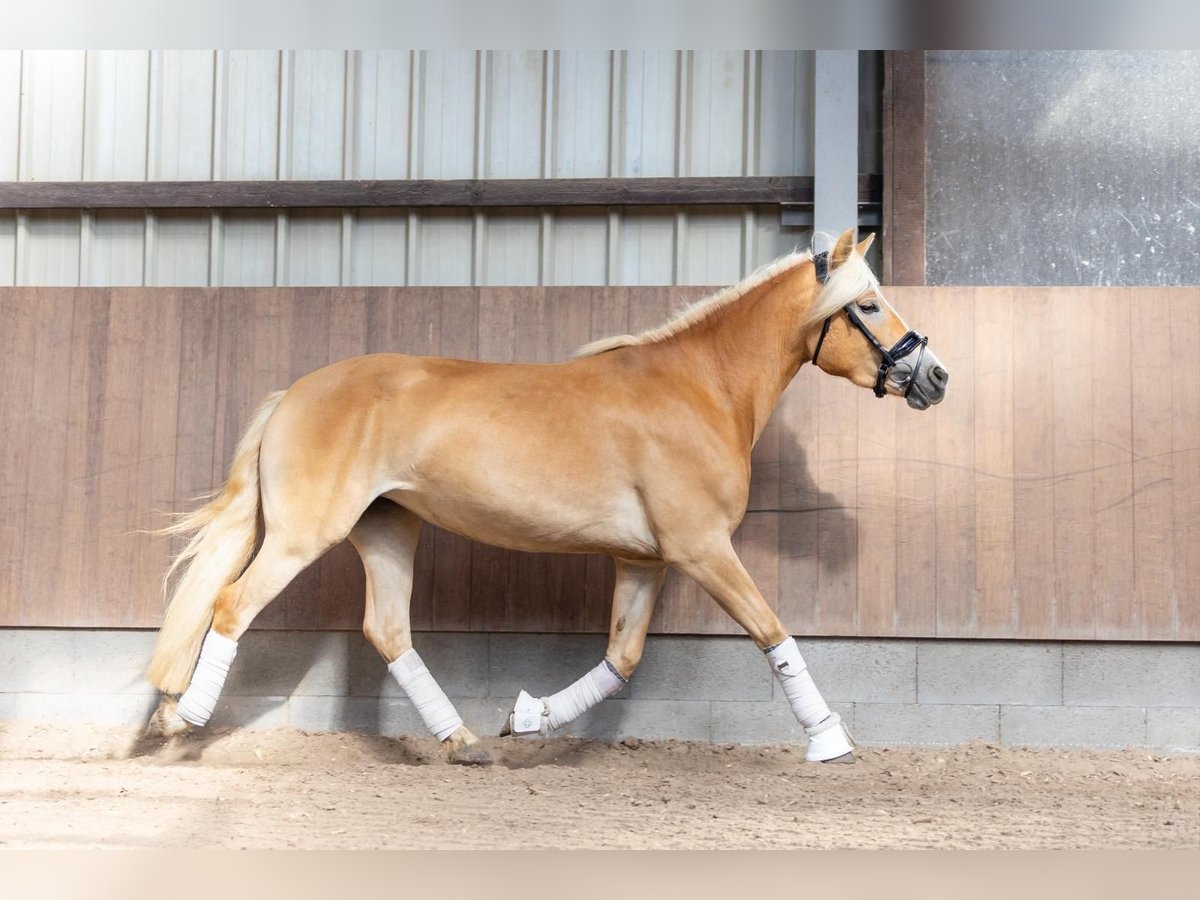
[(908, 342)]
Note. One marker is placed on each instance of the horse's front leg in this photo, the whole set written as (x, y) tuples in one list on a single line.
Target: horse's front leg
[(719, 571), (634, 597)]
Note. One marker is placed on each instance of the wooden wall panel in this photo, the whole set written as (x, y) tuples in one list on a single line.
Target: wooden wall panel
[(1033, 466), (835, 454), (995, 569), (954, 436), (799, 499), (875, 574), (1074, 464), (1185, 457), (1055, 494), (1155, 392), (1112, 462), (916, 483)]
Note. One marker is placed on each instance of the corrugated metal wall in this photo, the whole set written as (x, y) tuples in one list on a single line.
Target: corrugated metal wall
[(234, 115)]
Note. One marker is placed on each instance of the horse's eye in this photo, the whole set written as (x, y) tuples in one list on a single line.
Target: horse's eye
[(869, 307)]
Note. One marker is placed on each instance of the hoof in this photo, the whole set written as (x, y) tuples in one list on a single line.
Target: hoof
[(845, 759), (165, 722), (470, 755)]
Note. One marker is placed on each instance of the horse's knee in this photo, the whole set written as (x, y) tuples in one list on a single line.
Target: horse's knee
[(390, 644)]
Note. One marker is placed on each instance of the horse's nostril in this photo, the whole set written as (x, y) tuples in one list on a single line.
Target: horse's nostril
[(939, 375)]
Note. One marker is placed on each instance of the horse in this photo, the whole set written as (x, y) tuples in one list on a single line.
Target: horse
[(643, 447)]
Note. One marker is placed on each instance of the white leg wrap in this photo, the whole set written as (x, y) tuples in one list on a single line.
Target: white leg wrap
[(198, 701), (827, 737), (568, 704), (435, 708)]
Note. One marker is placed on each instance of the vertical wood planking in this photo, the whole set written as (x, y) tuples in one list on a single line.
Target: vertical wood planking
[(995, 566), (875, 576), (916, 477), (1033, 465), (20, 311), (1185, 452), (197, 449), (94, 555), (954, 437), (118, 465), (154, 478), (1112, 462), (75, 558), (119, 403), (799, 502), (1155, 395), (1074, 462), (836, 451), (44, 488)]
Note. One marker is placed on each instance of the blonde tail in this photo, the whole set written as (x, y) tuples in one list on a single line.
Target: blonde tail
[(224, 532)]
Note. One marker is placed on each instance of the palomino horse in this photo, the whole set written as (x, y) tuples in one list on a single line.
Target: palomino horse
[(643, 453)]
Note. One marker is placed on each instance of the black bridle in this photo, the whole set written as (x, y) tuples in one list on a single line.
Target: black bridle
[(908, 342)]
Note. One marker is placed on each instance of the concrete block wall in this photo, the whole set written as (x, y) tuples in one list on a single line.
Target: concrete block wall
[(892, 692)]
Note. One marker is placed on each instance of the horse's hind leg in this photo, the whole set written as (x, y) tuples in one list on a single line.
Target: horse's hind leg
[(386, 539), (634, 596), (282, 556)]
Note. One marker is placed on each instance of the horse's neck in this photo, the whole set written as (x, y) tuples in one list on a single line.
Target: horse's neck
[(749, 351)]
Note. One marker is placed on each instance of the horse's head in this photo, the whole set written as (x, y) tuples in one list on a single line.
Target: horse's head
[(854, 332)]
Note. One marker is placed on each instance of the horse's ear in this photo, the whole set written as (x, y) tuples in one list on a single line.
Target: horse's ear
[(865, 244), (842, 249)]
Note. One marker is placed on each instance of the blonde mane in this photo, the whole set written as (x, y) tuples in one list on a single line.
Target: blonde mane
[(846, 283)]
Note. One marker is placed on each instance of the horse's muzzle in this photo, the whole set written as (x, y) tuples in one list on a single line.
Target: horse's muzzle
[(928, 385)]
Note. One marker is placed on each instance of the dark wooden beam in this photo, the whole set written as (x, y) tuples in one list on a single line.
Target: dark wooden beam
[(903, 234), (533, 192)]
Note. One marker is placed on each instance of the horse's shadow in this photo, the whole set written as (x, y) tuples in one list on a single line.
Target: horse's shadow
[(817, 529)]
